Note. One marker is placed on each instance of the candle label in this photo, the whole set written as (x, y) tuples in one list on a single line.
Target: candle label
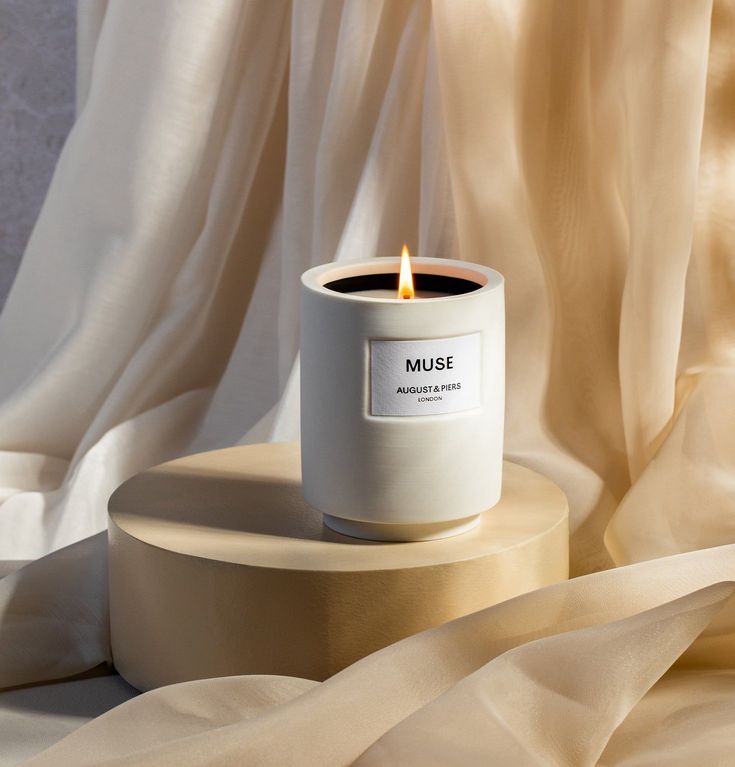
[(425, 377)]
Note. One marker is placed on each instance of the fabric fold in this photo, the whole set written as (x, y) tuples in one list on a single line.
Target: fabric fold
[(528, 707), (579, 654), (53, 615)]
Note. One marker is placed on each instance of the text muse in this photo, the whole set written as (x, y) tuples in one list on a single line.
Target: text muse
[(427, 364)]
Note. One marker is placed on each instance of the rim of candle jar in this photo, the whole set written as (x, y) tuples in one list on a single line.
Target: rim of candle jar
[(319, 277)]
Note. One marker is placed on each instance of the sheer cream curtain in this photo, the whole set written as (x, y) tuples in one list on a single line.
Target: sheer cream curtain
[(583, 149)]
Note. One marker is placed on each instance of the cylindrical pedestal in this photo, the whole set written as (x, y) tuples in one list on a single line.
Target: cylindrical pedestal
[(218, 567)]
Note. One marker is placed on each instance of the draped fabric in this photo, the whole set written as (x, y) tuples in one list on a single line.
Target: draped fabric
[(585, 150)]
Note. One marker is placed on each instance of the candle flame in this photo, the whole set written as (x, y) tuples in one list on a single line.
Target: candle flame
[(405, 280)]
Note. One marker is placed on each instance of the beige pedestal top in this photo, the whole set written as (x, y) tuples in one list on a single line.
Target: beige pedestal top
[(218, 567)]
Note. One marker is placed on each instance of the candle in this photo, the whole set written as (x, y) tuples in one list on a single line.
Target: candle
[(402, 395), (403, 285)]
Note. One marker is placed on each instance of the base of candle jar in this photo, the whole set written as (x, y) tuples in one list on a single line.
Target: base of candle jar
[(399, 533)]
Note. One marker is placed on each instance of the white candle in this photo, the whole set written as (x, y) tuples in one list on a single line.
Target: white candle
[(402, 399)]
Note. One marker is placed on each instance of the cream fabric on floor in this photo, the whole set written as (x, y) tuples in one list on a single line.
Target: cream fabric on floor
[(544, 678), (33, 718), (583, 149)]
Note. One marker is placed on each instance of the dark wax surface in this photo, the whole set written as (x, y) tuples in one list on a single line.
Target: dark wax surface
[(436, 283)]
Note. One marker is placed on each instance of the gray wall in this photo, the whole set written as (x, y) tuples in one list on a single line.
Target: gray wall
[(37, 54)]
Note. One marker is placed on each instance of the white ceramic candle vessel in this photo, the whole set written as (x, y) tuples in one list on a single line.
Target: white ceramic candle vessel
[(402, 401)]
